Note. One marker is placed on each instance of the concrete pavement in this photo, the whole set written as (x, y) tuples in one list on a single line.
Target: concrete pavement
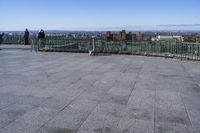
[(70, 92)]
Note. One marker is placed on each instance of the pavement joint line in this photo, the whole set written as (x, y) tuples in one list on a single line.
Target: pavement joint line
[(7, 106), (133, 88), (76, 130), (186, 110), (155, 99), (137, 78), (180, 90), (100, 102), (96, 105), (67, 104), (154, 113), (189, 75), (15, 119), (61, 110)]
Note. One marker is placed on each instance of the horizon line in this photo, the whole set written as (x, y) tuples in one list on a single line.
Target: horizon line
[(160, 27)]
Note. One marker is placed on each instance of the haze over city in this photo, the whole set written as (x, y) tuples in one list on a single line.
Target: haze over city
[(100, 14)]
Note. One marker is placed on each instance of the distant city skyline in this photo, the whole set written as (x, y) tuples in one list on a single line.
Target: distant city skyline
[(100, 14)]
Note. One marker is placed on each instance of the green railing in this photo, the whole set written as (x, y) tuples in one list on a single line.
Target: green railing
[(156, 48)]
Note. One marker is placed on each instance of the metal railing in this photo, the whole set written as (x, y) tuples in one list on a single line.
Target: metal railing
[(148, 48)]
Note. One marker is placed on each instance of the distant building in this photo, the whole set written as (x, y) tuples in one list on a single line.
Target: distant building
[(129, 36), (108, 36), (178, 38), (198, 39), (123, 36), (147, 38), (137, 36), (191, 39), (168, 38)]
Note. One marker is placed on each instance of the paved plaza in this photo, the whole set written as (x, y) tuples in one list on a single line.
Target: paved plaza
[(43, 92)]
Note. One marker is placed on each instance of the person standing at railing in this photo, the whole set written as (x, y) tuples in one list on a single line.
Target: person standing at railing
[(41, 38), (26, 37), (41, 34), (1, 37)]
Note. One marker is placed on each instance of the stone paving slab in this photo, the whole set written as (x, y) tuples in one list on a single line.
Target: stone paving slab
[(72, 92), (15, 46)]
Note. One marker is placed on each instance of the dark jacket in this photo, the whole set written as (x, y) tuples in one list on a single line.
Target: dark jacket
[(26, 34), (41, 34), (1, 37)]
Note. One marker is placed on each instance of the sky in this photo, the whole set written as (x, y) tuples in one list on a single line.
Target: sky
[(99, 14)]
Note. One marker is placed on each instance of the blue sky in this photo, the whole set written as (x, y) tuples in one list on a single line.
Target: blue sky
[(99, 14)]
